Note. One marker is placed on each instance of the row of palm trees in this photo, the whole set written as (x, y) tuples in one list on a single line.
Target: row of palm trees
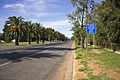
[(15, 27)]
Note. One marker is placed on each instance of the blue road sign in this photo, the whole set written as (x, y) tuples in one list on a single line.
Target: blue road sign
[(91, 29)]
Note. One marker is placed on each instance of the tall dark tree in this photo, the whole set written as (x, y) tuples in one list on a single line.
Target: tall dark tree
[(108, 21)]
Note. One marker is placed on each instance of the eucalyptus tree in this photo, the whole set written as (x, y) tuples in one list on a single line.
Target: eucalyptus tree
[(79, 17), (108, 21), (14, 27)]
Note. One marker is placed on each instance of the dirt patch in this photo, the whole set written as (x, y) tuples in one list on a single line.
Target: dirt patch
[(96, 51), (96, 68), (112, 74), (79, 75)]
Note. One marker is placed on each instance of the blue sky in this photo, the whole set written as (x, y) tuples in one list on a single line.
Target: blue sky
[(50, 13)]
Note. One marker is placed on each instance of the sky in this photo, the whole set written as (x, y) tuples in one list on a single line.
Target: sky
[(50, 13)]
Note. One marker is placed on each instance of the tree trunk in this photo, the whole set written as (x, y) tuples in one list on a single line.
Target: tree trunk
[(37, 40), (40, 38), (50, 40), (16, 38), (43, 40), (82, 42), (29, 38)]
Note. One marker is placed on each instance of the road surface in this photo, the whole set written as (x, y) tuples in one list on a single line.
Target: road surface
[(38, 62)]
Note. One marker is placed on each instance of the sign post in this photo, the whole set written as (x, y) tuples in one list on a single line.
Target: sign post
[(91, 29), (93, 43)]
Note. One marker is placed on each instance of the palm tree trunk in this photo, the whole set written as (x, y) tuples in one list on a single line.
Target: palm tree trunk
[(50, 40), (43, 40), (40, 38), (16, 38), (37, 39), (29, 38)]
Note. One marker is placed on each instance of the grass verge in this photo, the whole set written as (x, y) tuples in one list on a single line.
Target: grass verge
[(22, 43), (108, 59)]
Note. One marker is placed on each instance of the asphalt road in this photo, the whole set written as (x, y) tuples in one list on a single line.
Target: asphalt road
[(33, 62)]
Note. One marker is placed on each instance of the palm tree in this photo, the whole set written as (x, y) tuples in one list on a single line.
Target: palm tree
[(43, 33), (50, 33), (6, 34), (29, 29), (37, 31), (15, 27)]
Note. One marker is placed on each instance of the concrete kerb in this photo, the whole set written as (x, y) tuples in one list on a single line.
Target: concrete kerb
[(74, 71), (69, 72)]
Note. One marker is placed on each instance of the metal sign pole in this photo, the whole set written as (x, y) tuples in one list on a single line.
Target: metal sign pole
[(87, 45), (93, 42)]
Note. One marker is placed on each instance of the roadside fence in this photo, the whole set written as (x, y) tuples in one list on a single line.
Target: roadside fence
[(112, 46)]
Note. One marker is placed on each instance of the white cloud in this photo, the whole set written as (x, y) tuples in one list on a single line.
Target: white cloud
[(41, 0), (54, 24), (37, 8), (33, 20), (40, 5), (44, 14), (19, 5)]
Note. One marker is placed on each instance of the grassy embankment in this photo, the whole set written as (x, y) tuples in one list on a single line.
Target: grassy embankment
[(107, 60), (21, 43)]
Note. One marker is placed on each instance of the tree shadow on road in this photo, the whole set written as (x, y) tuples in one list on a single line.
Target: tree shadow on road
[(51, 48), (46, 55), (15, 56)]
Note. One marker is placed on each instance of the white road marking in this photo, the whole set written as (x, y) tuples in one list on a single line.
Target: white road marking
[(5, 63)]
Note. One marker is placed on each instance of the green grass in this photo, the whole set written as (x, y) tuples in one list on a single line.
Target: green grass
[(21, 43), (79, 56), (84, 63), (101, 76), (108, 59), (83, 69), (93, 77)]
